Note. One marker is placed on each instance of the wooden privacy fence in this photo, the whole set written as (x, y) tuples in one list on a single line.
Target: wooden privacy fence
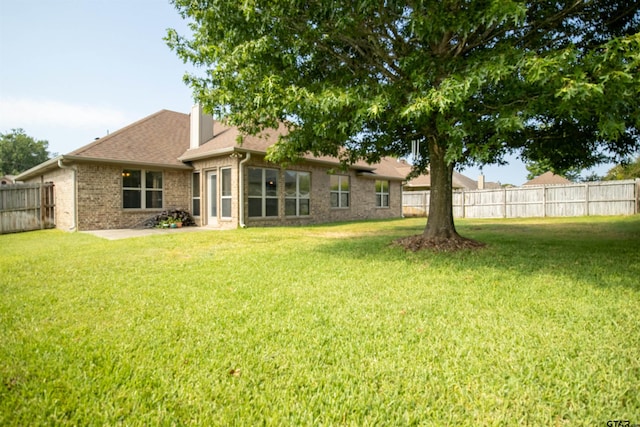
[(25, 207), (591, 198)]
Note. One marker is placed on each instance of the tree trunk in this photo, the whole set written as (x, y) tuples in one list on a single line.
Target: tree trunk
[(440, 234), (440, 221)]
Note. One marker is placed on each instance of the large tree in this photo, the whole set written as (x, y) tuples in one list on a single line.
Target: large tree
[(466, 81), (19, 152)]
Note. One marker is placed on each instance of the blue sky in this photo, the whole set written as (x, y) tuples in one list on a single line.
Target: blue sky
[(74, 70)]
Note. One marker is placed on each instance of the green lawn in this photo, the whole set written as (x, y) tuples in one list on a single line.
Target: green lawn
[(327, 325)]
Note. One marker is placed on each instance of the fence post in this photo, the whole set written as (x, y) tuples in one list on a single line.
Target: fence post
[(504, 202), (586, 198), (544, 200), (637, 191)]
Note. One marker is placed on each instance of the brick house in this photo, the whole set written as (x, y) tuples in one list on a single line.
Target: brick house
[(172, 160)]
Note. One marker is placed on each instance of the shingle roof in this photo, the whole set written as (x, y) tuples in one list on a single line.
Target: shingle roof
[(163, 139), (157, 139), (548, 178), (225, 139)]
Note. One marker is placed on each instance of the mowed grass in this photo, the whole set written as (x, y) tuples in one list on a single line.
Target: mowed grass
[(326, 325)]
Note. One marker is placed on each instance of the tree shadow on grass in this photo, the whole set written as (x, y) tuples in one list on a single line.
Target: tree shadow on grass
[(601, 253)]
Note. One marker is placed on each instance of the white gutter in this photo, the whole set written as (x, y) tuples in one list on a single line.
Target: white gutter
[(241, 189), (74, 170)]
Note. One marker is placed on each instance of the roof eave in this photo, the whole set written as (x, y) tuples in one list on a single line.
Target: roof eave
[(53, 163), (38, 169), (127, 162)]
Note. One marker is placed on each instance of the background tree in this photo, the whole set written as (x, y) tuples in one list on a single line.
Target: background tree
[(537, 168), (20, 152), (627, 170), (469, 81)]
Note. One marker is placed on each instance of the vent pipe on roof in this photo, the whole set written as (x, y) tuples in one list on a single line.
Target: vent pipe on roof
[(201, 127)]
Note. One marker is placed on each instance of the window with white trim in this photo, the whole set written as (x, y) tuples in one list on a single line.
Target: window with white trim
[(195, 194), (297, 189), (225, 193), (263, 192), (382, 194), (141, 189), (339, 185)]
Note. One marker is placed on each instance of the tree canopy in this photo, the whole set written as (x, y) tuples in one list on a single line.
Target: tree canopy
[(20, 152), (627, 170), (467, 81)]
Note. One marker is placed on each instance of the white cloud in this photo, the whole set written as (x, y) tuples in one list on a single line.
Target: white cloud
[(26, 113)]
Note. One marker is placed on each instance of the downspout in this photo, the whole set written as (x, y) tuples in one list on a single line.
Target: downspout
[(241, 189), (74, 225)]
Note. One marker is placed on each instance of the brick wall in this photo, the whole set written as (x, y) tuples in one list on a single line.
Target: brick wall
[(100, 197), (362, 198)]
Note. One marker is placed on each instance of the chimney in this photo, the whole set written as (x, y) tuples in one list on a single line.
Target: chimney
[(201, 127), (481, 182)]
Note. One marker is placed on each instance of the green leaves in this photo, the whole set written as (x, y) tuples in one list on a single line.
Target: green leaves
[(20, 152)]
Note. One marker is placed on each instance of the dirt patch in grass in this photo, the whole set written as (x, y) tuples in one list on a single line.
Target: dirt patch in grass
[(419, 243)]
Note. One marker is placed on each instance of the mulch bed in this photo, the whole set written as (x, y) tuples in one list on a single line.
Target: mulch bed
[(419, 242)]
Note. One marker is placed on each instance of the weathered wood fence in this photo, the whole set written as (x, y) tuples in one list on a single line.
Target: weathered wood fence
[(25, 207), (590, 198)]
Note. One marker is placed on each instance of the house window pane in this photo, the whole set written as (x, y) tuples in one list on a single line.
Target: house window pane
[(153, 199), (334, 182), (271, 182), (290, 207), (344, 200), (131, 199), (290, 184), (271, 206), (225, 205), (131, 178), (304, 207), (255, 182), (255, 207), (153, 180), (226, 182), (225, 196), (304, 184)]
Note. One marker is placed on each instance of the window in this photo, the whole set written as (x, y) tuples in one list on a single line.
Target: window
[(141, 189), (382, 194), (297, 186), (339, 191), (225, 193), (195, 194), (263, 192)]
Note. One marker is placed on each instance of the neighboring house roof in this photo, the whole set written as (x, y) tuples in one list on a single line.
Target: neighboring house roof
[(548, 178), (460, 182)]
